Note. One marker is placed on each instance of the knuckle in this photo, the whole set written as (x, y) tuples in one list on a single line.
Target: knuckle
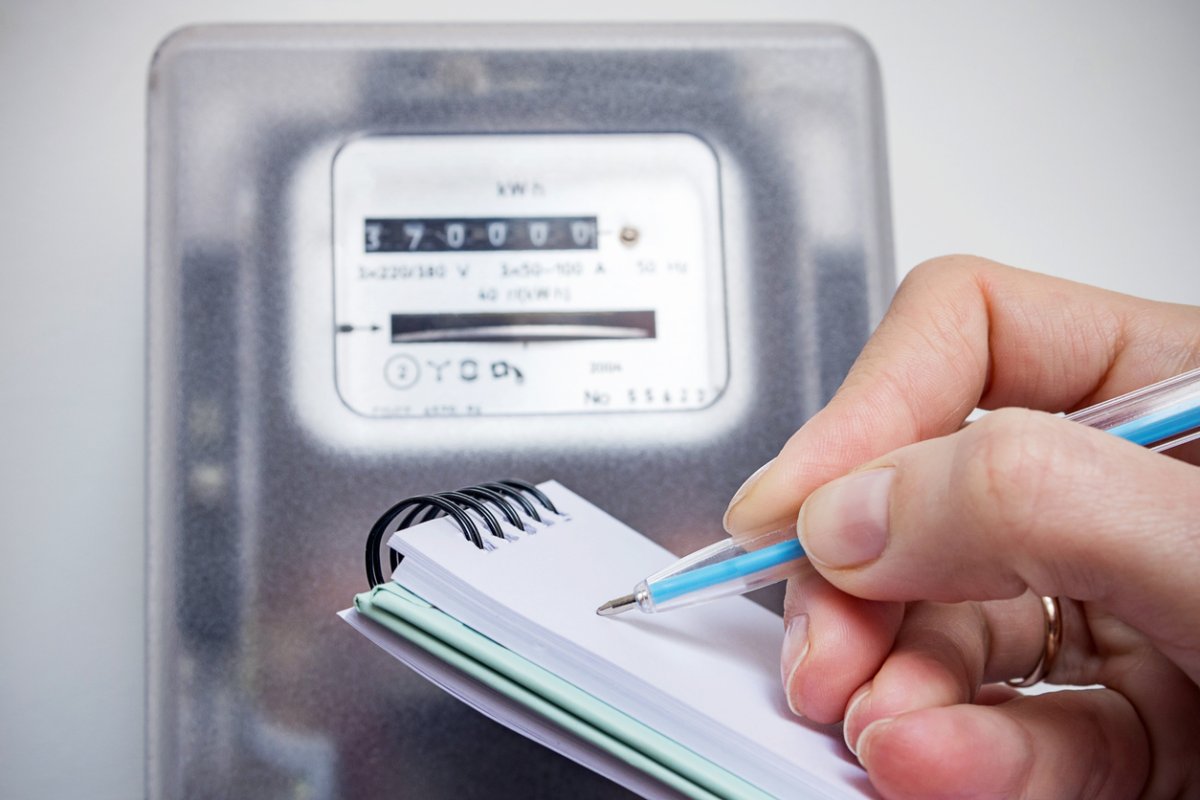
[(1009, 471), (937, 270)]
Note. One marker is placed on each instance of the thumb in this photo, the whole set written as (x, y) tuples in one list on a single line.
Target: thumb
[(1020, 500)]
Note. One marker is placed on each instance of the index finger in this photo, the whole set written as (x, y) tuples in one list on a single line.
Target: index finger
[(964, 332)]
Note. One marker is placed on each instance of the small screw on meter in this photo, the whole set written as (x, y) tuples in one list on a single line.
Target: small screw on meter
[(629, 236)]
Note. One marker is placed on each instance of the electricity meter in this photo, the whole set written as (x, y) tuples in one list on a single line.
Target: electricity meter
[(389, 260)]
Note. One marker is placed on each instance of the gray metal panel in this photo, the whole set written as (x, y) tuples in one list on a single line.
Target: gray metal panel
[(262, 485)]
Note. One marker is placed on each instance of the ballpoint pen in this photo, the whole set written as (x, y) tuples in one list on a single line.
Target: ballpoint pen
[(1160, 416)]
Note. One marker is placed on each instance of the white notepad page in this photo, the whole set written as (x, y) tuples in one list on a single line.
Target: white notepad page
[(706, 676)]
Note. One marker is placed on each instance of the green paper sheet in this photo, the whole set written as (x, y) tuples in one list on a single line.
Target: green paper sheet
[(559, 701)]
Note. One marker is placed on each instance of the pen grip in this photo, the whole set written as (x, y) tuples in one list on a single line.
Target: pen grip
[(725, 568)]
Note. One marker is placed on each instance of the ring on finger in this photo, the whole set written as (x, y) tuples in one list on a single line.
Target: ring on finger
[(1052, 615)]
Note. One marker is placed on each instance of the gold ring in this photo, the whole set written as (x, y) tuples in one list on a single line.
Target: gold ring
[(1052, 612)]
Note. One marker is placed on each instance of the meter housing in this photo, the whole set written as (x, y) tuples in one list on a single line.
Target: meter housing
[(391, 260)]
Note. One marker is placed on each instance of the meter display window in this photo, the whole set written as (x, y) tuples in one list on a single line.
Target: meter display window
[(528, 274)]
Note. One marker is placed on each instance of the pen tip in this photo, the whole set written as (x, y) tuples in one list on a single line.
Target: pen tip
[(617, 605)]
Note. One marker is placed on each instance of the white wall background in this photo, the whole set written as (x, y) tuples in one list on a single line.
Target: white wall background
[(1062, 137)]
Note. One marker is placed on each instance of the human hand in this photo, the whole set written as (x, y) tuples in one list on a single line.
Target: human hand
[(927, 561)]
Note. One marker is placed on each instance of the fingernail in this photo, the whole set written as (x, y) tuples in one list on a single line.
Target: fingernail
[(845, 523), (743, 490), (864, 739), (855, 702), (795, 648)]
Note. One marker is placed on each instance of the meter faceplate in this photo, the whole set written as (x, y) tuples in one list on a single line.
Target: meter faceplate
[(510, 274)]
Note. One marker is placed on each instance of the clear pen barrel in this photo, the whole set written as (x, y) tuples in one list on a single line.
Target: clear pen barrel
[(1159, 416)]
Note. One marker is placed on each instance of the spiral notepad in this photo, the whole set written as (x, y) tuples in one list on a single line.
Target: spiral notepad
[(501, 593)]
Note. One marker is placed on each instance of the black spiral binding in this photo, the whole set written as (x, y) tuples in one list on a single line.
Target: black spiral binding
[(505, 496)]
